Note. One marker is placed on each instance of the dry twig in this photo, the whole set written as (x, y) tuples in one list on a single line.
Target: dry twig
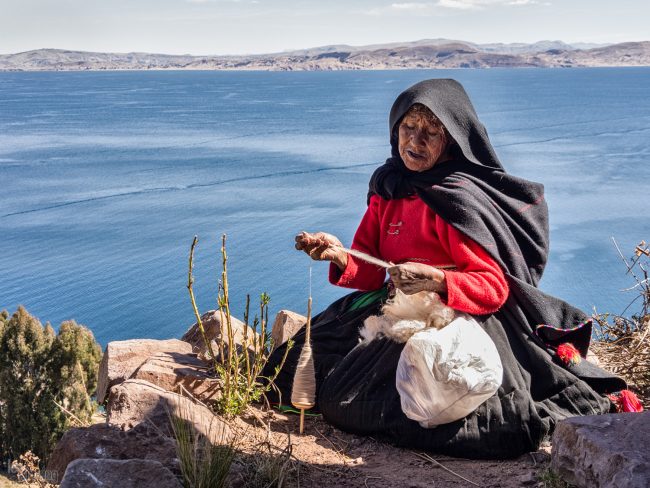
[(426, 457)]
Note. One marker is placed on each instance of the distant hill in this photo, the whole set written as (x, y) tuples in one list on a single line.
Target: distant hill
[(426, 53)]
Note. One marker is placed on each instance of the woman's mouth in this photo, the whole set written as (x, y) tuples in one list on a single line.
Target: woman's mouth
[(414, 155)]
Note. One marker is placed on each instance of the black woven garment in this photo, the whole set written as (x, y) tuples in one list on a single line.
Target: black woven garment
[(508, 217)]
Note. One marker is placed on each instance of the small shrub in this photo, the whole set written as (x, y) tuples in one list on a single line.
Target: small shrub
[(40, 372), (240, 367), (550, 479)]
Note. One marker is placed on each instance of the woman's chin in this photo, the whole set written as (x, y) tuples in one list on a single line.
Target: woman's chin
[(417, 165)]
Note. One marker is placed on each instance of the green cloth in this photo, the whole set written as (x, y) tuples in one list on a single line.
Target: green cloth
[(290, 409), (368, 298)]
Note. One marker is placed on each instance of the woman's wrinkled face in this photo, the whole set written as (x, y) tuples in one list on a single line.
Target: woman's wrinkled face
[(422, 139)]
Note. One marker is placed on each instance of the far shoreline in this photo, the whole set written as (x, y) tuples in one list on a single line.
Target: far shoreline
[(236, 70)]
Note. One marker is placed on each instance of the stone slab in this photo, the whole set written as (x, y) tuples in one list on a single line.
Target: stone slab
[(286, 325), (603, 451), (122, 358), (181, 372), (102, 441), (113, 473), (136, 401)]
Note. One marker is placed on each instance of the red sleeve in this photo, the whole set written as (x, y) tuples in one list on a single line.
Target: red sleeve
[(478, 285), (358, 274)]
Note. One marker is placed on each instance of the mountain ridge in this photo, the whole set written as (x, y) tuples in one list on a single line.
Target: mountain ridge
[(424, 53)]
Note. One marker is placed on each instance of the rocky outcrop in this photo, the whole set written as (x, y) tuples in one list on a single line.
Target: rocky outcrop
[(121, 359), (214, 330), (603, 450), (145, 384), (102, 441), (286, 324), (179, 373), (136, 401), (113, 473)]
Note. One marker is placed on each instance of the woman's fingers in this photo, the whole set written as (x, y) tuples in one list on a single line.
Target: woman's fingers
[(318, 245), (414, 277)]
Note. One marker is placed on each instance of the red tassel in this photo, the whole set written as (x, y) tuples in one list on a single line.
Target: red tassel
[(626, 401), (568, 354)]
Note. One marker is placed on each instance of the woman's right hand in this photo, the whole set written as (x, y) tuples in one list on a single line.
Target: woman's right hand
[(322, 247)]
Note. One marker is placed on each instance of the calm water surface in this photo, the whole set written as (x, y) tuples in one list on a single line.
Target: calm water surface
[(106, 177)]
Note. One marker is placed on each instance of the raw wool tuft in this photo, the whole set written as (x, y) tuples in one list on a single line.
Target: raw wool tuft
[(404, 315)]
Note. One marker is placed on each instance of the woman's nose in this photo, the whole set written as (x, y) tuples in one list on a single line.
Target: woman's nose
[(419, 137)]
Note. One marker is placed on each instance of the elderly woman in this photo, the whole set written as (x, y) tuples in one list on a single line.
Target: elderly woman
[(446, 212)]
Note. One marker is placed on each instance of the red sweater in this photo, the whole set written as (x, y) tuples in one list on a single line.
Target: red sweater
[(406, 230)]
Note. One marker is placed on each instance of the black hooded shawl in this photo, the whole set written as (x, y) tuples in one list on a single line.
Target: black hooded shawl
[(508, 217)]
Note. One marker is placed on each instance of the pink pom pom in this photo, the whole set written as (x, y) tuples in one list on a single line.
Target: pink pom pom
[(626, 401)]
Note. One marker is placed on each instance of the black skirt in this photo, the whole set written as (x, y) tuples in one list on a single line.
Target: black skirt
[(356, 389)]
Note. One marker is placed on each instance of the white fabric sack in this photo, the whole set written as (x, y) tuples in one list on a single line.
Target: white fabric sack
[(444, 375)]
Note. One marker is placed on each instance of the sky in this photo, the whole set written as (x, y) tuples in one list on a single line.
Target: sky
[(204, 27)]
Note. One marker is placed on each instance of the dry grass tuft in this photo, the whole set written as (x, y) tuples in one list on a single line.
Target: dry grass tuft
[(623, 342), (203, 464)]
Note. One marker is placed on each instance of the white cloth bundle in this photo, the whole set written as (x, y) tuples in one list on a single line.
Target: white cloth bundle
[(444, 375)]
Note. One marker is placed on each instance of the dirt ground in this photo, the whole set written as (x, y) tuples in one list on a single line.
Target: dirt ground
[(327, 457), (6, 482)]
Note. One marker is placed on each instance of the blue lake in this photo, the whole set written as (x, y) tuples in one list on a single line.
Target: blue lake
[(107, 176)]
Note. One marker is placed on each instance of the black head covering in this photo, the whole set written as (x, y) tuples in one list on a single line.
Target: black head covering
[(448, 100)]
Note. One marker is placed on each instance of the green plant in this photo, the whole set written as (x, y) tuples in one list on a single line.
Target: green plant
[(203, 464), (46, 380), (239, 366), (550, 479)]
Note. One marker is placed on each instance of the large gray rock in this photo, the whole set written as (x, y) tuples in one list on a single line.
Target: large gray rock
[(113, 473), (603, 450), (136, 401), (122, 358), (286, 325), (177, 372), (101, 441), (212, 326)]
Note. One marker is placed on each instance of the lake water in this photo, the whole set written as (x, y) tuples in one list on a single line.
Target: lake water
[(107, 176)]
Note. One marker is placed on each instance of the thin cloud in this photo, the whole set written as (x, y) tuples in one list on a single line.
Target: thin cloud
[(410, 6), (428, 8), (214, 1), (458, 4), (482, 4)]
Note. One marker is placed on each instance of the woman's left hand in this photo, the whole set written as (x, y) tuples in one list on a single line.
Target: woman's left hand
[(411, 278)]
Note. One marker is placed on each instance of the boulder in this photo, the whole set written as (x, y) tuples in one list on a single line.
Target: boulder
[(113, 473), (603, 450), (122, 358), (135, 401), (175, 372), (286, 324), (102, 441), (211, 321)]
